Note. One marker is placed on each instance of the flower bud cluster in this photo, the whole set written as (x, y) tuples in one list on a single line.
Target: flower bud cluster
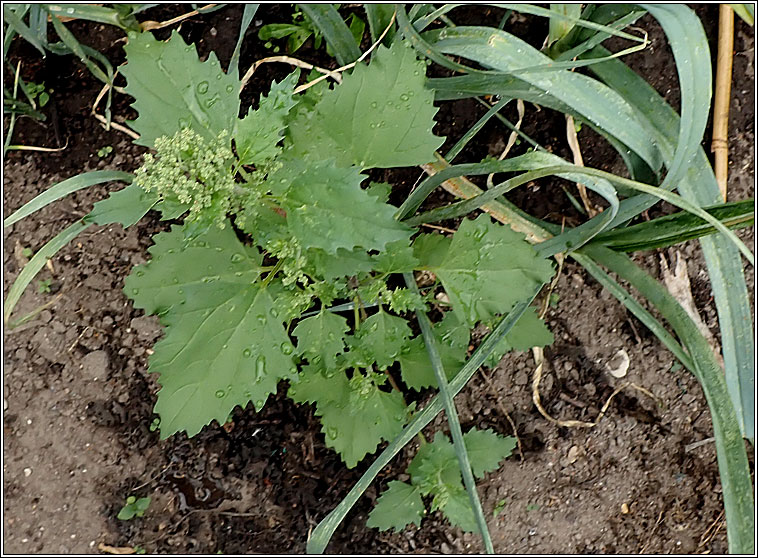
[(189, 169), (294, 261)]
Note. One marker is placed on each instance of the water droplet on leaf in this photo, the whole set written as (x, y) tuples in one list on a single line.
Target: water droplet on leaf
[(260, 367), (202, 87)]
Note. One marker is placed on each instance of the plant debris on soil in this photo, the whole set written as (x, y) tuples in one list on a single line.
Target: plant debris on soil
[(78, 399)]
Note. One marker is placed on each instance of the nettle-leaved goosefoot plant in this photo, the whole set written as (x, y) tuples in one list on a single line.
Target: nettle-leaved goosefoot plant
[(283, 267)]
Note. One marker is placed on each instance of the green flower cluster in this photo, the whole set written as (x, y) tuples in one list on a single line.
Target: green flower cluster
[(290, 253), (399, 300), (187, 169)]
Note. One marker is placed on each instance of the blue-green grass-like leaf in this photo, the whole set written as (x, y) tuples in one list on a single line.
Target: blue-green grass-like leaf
[(64, 188), (37, 262), (505, 53), (336, 32), (734, 470), (722, 259)]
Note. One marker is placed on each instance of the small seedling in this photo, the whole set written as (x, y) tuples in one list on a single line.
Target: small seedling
[(155, 424), (104, 151), (296, 33), (43, 286), (499, 507), (301, 29), (139, 550), (37, 91), (134, 507), (532, 507), (27, 252)]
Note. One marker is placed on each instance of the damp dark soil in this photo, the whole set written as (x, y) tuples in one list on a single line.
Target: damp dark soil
[(78, 399)]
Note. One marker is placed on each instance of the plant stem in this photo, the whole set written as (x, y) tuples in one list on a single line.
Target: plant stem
[(271, 274)]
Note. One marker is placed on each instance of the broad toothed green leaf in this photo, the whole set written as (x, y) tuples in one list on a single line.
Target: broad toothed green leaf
[(455, 504), (381, 115), (452, 343), (416, 368), (321, 336), (528, 332), (223, 345), (398, 258), (174, 90), (398, 506), (126, 206), (355, 414), (381, 338), (486, 450), (162, 284), (342, 263), (435, 464), (487, 269), (431, 249), (327, 209), (260, 131), (435, 471), (380, 190)]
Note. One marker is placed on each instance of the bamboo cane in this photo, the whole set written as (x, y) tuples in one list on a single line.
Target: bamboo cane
[(719, 145)]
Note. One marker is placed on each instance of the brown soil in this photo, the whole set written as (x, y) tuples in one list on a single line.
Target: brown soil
[(78, 399)]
